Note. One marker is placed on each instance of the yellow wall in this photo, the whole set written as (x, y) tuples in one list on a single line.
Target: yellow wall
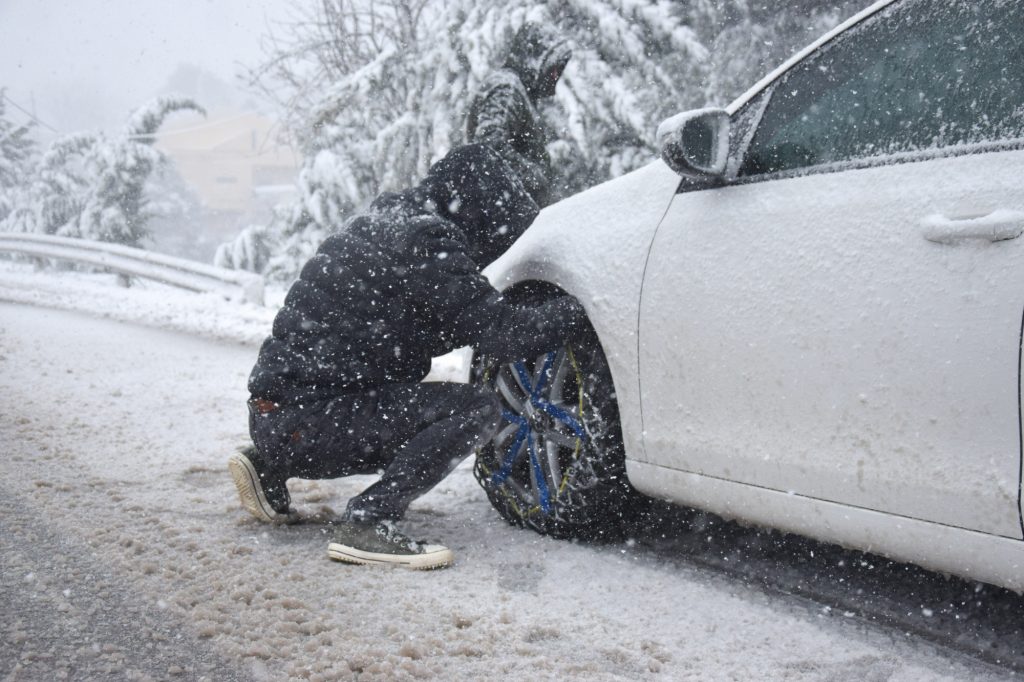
[(231, 159)]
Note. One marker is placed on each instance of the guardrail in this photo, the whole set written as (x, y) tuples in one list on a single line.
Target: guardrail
[(125, 260)]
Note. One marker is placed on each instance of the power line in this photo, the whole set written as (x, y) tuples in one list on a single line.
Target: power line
[(28, 113)]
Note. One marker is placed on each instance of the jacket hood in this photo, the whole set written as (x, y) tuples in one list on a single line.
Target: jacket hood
[(474, 188), (538, 55), (397, 207)]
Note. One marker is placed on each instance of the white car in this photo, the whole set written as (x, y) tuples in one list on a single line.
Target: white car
[(814, 322)]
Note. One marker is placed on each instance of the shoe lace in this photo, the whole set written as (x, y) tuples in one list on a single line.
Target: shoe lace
[(390, 533)]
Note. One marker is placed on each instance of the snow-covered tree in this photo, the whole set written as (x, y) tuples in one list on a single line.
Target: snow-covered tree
[(94, 187), (56, 193), (376, 91), (16, 154), (117, 207), (379, 91)]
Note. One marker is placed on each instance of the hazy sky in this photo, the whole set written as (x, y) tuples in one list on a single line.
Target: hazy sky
[(87, 63)]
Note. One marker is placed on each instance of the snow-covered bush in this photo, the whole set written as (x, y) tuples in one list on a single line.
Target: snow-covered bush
[(278, 249), (94, 187), (249, 250), (377, 91)]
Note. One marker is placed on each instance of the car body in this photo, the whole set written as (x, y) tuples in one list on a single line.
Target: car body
[(824, 334)]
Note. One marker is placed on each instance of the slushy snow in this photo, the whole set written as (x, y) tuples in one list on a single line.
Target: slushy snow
[(125, 553)]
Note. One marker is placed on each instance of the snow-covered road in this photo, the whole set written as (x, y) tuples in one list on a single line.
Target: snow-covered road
[(124, 553)]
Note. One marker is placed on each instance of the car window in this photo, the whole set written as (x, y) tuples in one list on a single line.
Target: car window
[(923, 74)]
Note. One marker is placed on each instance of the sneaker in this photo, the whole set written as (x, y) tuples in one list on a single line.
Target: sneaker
[(260, 495), (379, 542)]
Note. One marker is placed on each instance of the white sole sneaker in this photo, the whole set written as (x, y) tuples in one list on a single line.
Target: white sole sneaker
[(433, 556), (250, 491)]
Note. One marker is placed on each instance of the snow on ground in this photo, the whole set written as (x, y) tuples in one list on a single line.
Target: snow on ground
[(157, 305), (207, 315), (125, 554)]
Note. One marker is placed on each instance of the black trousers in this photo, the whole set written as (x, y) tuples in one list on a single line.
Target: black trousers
[(411, 434)]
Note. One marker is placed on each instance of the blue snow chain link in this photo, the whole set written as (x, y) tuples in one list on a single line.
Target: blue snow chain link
[(526, 431)]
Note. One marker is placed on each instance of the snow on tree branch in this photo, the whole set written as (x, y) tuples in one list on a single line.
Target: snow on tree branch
[(376, 91), (147, 119), (90, 186)]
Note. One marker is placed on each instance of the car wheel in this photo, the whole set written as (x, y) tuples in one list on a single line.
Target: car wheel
[(556, 463)]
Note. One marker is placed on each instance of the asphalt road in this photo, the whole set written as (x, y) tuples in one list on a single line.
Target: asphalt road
[(124, 555)]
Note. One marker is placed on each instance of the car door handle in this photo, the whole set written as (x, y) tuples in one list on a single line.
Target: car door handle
[(995, 227)]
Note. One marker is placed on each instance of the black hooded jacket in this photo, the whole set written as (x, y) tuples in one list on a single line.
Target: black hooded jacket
[(504, 113), (401, 284)]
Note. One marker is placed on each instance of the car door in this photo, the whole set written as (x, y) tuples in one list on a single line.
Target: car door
[(842, 320)]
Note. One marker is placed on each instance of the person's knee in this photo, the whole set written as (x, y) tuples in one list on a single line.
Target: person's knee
[(469, 402), (473, 398)]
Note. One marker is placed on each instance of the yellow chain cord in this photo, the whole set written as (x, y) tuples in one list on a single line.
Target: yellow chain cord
[(576, 450)]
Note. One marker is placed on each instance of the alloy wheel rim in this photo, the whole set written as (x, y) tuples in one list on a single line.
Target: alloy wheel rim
[(542, 413)]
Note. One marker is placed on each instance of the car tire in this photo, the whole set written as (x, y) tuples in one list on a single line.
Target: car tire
[(557, 463)]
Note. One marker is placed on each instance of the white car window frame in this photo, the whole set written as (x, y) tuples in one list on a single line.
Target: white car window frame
[(761, 100)]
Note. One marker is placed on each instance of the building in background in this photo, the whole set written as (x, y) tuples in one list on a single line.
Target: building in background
[(237, 167)]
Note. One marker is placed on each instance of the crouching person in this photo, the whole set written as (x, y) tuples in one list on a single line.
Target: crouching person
[(336, 388)]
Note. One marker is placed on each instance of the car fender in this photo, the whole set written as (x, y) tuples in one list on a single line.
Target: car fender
[(594, 246)]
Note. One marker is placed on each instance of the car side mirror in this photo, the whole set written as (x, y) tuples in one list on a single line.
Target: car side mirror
[(695, 143)]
